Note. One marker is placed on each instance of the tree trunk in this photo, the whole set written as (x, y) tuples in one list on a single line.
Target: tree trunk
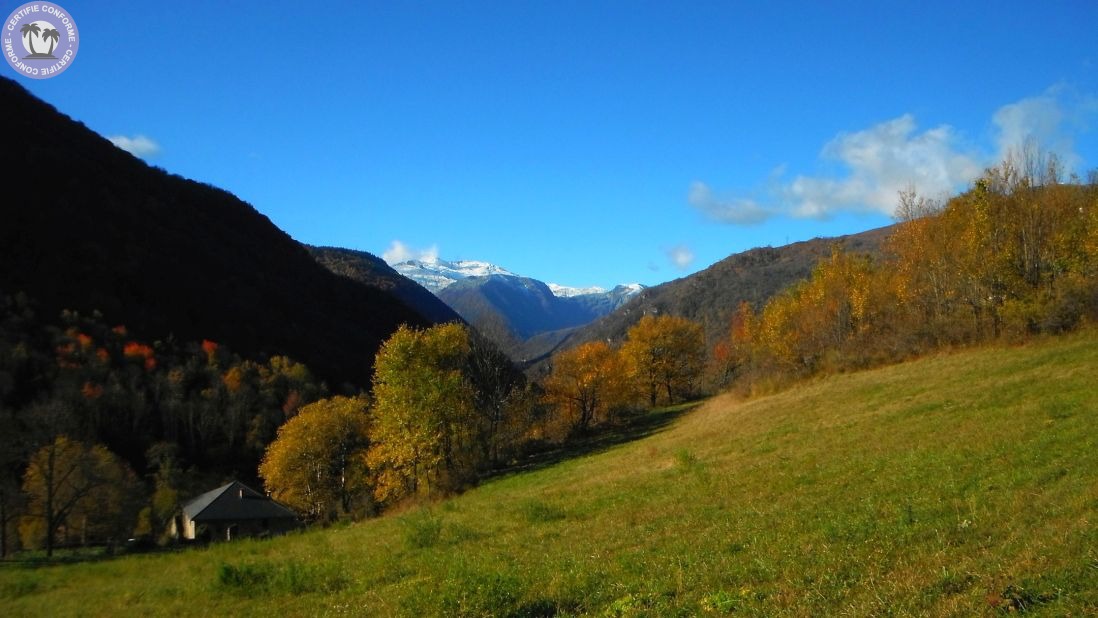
[(3, 527), (48, 515)]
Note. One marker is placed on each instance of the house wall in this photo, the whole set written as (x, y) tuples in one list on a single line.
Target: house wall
[(230, 530), (182, 528)]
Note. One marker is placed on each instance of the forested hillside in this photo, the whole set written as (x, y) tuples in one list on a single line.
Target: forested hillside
[(371, 270), (711, 296), (170, 257)]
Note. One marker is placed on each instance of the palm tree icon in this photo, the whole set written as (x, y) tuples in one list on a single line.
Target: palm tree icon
[(48, 34), (30, 31)]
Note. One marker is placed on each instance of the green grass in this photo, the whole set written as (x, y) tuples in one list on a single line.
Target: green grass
[(957, 485)]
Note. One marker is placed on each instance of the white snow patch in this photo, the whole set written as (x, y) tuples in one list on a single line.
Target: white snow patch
[(564, 291)]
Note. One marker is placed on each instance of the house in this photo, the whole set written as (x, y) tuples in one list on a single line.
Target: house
[(232, 511)]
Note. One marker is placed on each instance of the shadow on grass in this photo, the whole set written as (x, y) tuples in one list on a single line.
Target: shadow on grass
[(635, 427), (75, 555)]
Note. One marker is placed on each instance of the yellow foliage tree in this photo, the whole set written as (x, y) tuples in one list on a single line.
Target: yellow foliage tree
[(665, 354), (424, 433), (317, 465), (79, 492)]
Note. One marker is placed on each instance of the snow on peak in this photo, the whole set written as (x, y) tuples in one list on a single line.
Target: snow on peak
[(564, 291), (435, 274)]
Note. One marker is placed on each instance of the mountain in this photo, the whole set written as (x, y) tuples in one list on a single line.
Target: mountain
[(710, 296), (371, 270), (87, 226), (510, 309), (565, 291), (524, 306), (435, 274)]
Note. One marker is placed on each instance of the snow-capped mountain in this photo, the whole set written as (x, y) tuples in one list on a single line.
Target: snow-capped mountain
[(436, 274), (509, 308)]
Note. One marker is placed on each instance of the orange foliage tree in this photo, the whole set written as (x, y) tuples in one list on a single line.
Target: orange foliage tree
[(587, 384), (1015, 255)]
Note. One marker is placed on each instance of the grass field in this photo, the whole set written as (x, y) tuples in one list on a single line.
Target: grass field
[(957, 485)]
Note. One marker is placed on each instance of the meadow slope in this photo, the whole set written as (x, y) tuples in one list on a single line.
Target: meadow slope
[(958, 485)]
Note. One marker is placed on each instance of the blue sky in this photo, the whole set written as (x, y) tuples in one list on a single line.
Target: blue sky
[(582, 143)]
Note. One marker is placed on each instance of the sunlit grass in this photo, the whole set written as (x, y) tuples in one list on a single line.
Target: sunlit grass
[(957, 485)]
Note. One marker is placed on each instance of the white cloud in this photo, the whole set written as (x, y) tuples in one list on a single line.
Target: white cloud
[(138, 145), (1047, 121), (886, 158), (399, 252), (726, 210), (883, 160), (681, 256)]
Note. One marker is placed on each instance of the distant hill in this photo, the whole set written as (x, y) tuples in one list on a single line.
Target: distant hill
[(710, 296), (371, 270), (510, 309), (87, 226)]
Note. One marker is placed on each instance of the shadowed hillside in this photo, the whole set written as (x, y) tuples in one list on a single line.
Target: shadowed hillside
[(87, 226), (371, 270)]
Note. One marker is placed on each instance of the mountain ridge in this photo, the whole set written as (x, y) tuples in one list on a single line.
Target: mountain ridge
[(508, 308)]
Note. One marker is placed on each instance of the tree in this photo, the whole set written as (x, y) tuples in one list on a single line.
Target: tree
[(424, 430), (53, 36), (665, 353), (317, 464), (587, 382), (68, 482), (30, 31), (498, 388), (163, 459), (733, 355)]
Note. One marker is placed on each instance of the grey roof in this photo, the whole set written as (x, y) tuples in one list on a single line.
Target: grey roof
[(232, 502)]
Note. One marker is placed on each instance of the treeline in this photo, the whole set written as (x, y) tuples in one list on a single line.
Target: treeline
[(106, 436), (1014, 256), (447, 407), (96, 406)]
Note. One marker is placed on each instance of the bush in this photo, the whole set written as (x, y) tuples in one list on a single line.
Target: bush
[(421, 530), (260, 578)]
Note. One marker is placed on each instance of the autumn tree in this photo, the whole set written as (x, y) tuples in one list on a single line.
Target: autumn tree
[(587, 383), (822, 321), (425, 426), (499, 389), (732, 356), (71, 488), (665, 354), (317, 465)]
